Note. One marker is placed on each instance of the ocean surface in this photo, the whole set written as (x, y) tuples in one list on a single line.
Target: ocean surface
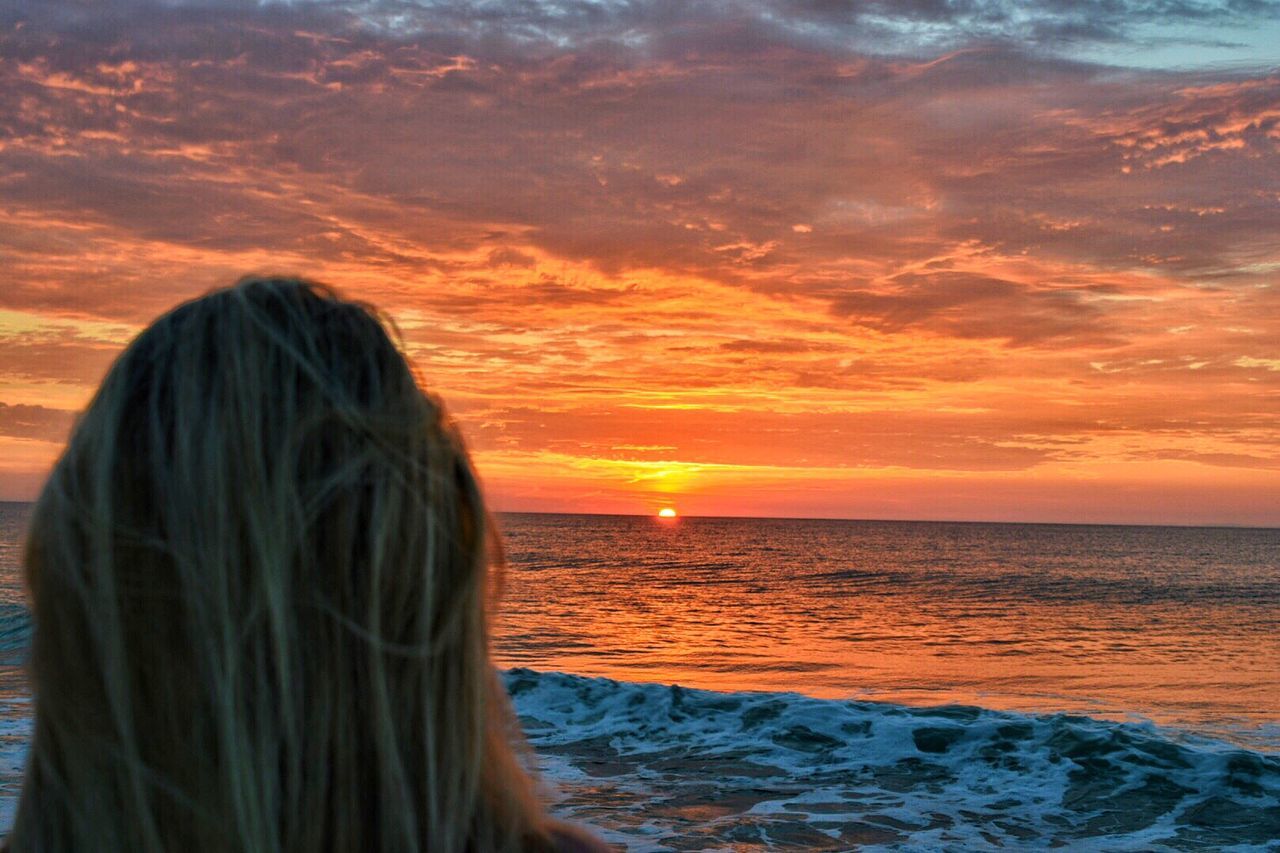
[(744, 684)]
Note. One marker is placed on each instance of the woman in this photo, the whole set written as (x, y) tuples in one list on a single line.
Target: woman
[(259, 575)]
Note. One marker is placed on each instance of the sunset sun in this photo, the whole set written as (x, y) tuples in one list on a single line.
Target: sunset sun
[(666, 512)]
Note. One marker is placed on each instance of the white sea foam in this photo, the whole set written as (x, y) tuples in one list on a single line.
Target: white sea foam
[(782, 769)]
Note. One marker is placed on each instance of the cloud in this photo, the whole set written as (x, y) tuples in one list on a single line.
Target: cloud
[(783, 346), (863, 25), (38, 422), (816, 217), (696, 436), (230, 134), (974, 306), (1227, 460)]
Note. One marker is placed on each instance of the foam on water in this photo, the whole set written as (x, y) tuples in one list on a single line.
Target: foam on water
[(664, 767), (659, 767)]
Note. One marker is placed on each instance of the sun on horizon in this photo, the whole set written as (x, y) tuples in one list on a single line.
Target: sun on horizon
[(666, 512)]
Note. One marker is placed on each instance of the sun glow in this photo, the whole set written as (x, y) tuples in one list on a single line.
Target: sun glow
[(666, 512)]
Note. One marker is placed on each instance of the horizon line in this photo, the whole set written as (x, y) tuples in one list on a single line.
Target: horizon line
[(1221, 525), (1207, 526)]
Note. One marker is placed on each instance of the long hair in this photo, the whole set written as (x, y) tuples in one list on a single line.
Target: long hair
[(259, 576)]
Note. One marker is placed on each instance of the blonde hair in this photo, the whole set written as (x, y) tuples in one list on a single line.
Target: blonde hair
[(259, 576)]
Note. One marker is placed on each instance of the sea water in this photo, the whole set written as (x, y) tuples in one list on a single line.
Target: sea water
[(745, 683)]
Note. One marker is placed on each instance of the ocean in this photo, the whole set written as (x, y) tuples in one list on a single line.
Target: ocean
[(716, 683)]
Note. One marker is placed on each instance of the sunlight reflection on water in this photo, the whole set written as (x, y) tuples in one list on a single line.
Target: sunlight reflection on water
[(1177, 625)]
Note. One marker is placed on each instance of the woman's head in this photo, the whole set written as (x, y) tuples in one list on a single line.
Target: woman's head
[(258, 575)]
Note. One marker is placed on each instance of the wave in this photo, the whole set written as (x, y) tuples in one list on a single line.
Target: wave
[(15, 632), (665, 767)]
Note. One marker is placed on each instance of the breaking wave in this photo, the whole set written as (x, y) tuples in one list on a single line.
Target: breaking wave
[(665, 767)]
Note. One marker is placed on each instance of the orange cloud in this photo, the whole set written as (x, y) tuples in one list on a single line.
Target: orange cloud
[(790, 264)]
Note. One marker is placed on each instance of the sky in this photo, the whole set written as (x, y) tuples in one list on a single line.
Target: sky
[(925, 259)]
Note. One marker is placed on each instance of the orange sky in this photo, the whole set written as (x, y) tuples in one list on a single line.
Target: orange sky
[(847, 261)]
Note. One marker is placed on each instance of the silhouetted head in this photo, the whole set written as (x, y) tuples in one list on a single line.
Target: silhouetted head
[(259, 577)]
